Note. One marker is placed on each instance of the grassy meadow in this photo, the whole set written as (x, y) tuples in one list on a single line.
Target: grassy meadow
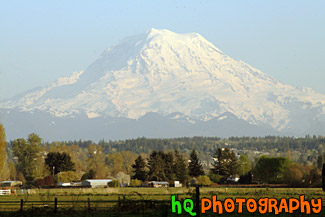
[(105, 201), (162, 193)]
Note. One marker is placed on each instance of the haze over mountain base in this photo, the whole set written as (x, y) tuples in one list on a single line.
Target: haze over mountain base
[(152, 125)]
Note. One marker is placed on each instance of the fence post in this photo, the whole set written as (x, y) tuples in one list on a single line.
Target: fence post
[(88, 204), (21, 205), (55, 205), (197, 200)]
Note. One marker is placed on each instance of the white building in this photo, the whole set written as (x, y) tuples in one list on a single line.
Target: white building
[(10, 184), (96, 183), (177, 184)]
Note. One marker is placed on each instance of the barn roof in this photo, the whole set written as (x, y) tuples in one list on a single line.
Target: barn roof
[(98, 180)]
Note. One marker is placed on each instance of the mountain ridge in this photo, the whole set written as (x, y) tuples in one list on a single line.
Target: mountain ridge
[(165, 72)]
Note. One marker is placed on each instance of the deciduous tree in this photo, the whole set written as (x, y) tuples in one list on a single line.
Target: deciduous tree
[(96, 161), (243, 165), (271, 169), (114, 162), (204, 181), (3, 145), (293, 175), (67, 176), (27, 153), (128, 158)]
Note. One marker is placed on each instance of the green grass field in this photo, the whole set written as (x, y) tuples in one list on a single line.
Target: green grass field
[(104, 201), (162, 193)]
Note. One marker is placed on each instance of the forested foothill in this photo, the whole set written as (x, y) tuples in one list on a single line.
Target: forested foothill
[(205, 161)]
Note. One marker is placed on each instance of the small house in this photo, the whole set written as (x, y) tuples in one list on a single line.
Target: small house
[(9, 187), (177, 184), (64, 184), (232, 179), (10, 184)]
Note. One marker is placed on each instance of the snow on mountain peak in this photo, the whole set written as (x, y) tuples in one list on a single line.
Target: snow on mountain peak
[(70, 79), (166, 72)]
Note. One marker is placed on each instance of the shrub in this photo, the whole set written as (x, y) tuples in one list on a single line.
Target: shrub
[(193, 182), (204, 181), (215, 178), (67, 176), (246, 179), (114, 184), (293, 175), (135, 182)]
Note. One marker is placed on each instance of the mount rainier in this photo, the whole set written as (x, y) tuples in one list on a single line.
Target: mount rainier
[(164, 84)]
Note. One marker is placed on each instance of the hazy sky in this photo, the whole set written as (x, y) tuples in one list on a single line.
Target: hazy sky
[(43, 40)]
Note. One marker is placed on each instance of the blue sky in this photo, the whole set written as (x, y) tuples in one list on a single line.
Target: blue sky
[(43, 40)]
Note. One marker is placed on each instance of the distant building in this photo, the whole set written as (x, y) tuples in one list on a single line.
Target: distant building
[(155, 184), (76, 184), (9, 187), (70, 184), (233, 179), (96, 183), (10, 184), (64, 184), (177, 184)]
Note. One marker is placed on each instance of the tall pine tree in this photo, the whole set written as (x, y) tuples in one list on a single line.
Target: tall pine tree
[(195, 167), (180, 168), (168, 159), (139, 168), (156, 166), (225, 163), (323, 177)]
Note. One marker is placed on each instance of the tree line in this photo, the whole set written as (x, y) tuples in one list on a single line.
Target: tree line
[(203, 160)]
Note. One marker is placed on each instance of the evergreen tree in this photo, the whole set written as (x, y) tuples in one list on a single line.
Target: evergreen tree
[(169, 166), (225, 163), (180, 168), (139, 167), (89, 175), (195, 166), (320, 161), (59, 162), (156, 167), (161, 166), (323, 177)]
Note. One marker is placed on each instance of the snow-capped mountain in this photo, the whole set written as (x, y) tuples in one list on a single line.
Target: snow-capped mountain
[(181, 78)]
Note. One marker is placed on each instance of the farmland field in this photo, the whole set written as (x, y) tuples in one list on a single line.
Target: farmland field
[(162, 193), (133, 201)]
